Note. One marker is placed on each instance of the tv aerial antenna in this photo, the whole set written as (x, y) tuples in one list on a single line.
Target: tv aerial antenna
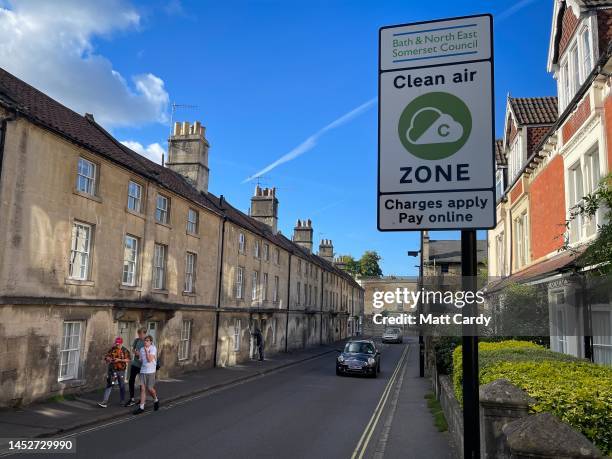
[(174, 107)]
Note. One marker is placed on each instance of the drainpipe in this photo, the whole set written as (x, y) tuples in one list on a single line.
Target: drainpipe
[(219, 287), (3, 126), (321, 308), (288, 306)]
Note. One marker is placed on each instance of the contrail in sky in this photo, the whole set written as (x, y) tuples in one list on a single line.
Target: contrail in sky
[(311, 141), (513, 9)]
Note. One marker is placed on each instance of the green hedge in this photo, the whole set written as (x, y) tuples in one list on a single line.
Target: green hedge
[(576, 391)]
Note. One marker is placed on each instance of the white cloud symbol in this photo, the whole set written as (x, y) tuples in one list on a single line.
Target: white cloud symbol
[(444, 129)]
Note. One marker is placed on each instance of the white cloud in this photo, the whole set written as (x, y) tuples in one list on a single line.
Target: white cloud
[(311, 141), (153, 151), (49, 45)]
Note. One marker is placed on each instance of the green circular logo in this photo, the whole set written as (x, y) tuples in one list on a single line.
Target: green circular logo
[(435, 125)]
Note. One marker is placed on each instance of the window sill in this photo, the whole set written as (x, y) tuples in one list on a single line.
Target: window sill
[(133, 288), (167, 225), (87, 196), (82, 283), (189, 233), (69, 383), (135, 214), (192, 294), (160, 291)]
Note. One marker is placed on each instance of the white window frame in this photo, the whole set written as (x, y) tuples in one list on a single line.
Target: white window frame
[(602, 343), (256, 252), (160, 256), (521, 228), (86, 181), (238, 289), (190, 272), (254, 286), (275, 289), (130, 261), (500, 254), (241, 242), (162, 212), (134, 202), (193, 221), (185, 340), (79, 267), (264, 286), (499, 184), (299, 292), (70, 350), (266, 252), (237, 335), (586, 55)]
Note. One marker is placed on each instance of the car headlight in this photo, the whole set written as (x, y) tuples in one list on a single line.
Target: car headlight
[(340, 359), (371, 361)]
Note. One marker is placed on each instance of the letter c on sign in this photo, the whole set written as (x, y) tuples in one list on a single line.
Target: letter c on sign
[(443, 130)]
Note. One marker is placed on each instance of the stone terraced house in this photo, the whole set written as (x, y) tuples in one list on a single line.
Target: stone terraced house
[(96, 241)]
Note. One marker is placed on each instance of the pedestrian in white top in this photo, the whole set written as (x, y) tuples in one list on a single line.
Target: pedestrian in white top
[(148, 357)]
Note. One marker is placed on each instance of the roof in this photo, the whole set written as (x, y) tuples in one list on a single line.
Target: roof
[(534, 110), (449, 251), (564, 261), (500, 156), (48, 113), (596, 3)]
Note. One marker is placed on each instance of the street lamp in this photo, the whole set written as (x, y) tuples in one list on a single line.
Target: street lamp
[(416, 253)]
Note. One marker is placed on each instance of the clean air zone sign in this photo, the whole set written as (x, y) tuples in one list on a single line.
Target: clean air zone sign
[(435, 125)]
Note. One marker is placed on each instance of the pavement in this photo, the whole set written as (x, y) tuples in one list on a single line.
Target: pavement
[(293, 406)]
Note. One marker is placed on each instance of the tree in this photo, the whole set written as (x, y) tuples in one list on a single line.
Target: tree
[(369, 264), (599, 252), (351, 266)]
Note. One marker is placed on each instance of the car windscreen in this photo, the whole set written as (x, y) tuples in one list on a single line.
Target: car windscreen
[(392, 331), (359, 348)]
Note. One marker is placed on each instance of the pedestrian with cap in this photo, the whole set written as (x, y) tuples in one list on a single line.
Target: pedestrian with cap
[(117, 359)]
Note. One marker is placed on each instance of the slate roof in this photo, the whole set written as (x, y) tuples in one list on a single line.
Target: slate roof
[(449, 251), (534, 110), (500, 156), (48, 113), (597, 3)]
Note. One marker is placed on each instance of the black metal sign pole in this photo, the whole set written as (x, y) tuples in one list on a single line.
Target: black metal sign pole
[(471, 424)]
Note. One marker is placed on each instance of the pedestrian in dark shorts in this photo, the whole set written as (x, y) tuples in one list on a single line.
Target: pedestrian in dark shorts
[(135, 367), (148, 357)]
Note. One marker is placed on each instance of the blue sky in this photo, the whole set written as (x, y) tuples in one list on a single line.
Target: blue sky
[(265, 76)]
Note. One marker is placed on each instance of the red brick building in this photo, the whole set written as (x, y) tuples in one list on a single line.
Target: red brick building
[(555, 150)]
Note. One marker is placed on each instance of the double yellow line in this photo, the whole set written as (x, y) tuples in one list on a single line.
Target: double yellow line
[(362, 446)]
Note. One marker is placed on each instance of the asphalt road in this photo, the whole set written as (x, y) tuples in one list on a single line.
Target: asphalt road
[(304, 411)]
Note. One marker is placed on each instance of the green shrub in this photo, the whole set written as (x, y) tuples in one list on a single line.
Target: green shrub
[(443, 349), (576, 391)]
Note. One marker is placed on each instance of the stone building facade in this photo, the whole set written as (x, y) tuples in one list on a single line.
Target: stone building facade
[(96, 241)]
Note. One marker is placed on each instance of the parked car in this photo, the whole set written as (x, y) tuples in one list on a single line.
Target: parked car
[(358, 357), (392, 335)]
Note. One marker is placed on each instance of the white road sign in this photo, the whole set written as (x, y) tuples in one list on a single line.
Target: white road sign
[(435, 133)]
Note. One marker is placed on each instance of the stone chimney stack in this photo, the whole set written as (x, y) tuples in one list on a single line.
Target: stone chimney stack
[(326, 250), (264, 207), (302, 234), (425, 248), (188, 153)]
